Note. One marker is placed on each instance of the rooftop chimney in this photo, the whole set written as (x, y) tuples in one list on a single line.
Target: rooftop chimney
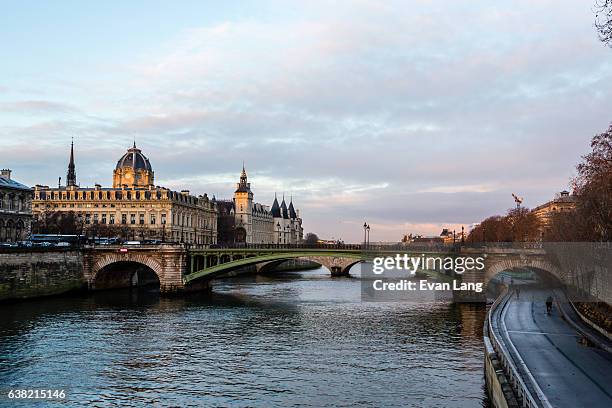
[(6, 173)]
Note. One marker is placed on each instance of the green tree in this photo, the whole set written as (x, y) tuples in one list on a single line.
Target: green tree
[(311, 238)]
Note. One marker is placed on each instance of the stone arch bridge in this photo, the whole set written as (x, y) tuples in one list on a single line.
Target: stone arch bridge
[(181, 269)]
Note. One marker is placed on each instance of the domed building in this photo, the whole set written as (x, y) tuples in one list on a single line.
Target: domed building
[(133, 170), (134, 208)]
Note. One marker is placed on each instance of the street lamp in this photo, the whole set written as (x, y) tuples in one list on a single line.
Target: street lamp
[(365, 226), (368, 236)]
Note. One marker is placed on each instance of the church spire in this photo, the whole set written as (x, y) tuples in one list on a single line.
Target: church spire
[(71, 176), (243, 175), (243, 186)]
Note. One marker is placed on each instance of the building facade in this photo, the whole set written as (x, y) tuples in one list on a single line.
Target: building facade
[(133, 207), (15, 208), (241, 220), (562, 202)]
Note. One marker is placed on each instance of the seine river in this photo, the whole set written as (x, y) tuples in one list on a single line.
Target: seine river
[(296, 339)]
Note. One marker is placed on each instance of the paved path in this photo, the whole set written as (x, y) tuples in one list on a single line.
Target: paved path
[(568, 373)]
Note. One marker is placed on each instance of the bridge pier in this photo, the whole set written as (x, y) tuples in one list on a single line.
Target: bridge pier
[(337, 266), (338, 271)]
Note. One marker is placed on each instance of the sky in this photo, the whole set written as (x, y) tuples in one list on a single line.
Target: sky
[(411, 115)]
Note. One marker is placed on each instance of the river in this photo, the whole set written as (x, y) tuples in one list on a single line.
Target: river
[(293, 339)]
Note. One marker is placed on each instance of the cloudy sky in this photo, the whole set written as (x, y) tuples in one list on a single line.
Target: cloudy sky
[(412, 115)]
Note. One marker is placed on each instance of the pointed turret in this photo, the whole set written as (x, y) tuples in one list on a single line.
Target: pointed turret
[(243, 186), (276, 212), (283, 207), (243, 175), (292, 213), (71, 176)]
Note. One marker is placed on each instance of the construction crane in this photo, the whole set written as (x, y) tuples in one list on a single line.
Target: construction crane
[(518, 200)]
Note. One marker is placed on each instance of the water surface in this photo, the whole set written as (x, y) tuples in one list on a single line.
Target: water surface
[(296, 339)]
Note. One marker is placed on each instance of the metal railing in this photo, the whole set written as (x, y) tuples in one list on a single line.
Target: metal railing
[(521, 389)]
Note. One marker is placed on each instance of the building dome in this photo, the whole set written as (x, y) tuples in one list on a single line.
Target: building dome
[(134, 159), (133, 170)]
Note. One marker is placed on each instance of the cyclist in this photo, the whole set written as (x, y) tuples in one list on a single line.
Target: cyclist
[(549, 302)]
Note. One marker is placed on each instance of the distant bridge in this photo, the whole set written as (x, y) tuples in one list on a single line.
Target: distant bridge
[(211, 263), (181, 268)]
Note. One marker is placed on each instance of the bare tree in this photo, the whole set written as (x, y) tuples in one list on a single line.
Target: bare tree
[(593, 186), (524, 224), (603, 20), (57, 222), (518, 225)]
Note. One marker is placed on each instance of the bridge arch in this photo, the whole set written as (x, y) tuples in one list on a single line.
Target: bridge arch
[(513, 263), (119, 270)]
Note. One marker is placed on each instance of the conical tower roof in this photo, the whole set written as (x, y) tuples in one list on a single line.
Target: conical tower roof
[(284, 211), (276, 211), (292, 213)]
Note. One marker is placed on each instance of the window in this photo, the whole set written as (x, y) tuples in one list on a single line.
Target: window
[(111, 219), (152, 219), (132, 218), (124, 218), (87, 218), (95, 218), (163, 219), (141, 219), (103, 218)]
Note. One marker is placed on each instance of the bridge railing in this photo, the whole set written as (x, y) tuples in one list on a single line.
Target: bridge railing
[(340, 246)]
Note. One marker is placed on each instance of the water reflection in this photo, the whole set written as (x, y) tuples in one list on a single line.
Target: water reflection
[(285, 340)]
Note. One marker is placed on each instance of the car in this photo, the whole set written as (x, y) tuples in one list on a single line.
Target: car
[(132, 243), (63, 244)]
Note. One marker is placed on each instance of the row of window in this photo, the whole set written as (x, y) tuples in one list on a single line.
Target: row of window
[(142, 219), (12, 230), (12, 202), (116, 195), (110, 219)]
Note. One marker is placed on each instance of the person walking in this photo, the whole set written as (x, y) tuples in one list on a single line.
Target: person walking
[(549, 303)]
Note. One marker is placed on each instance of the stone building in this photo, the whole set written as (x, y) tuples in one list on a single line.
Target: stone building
[(287, 223), (243, 221), (15, 208), (563, 202), (134, 207)]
